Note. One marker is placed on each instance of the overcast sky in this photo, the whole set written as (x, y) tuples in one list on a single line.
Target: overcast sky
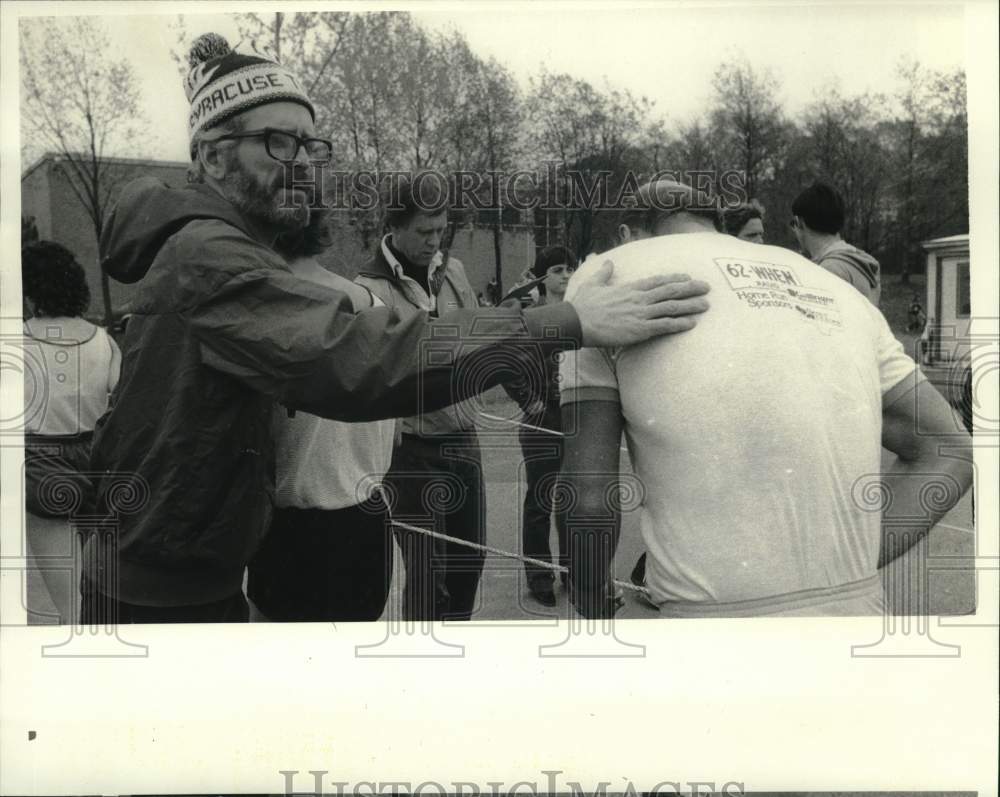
[(667, 53)]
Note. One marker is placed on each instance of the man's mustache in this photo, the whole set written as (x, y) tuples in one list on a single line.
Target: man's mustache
[(302, 177)]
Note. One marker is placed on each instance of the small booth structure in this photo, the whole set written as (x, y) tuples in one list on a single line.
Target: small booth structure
[(946, 337)]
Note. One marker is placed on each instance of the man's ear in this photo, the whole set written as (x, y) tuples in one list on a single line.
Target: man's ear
[(211, 159), (624, 233)]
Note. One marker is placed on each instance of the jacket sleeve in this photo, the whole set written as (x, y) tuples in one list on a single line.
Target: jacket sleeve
[(519, 389), (303, 344)]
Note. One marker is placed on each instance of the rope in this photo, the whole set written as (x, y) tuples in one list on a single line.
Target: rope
[(530, 426), (508, 554), (524, 425)]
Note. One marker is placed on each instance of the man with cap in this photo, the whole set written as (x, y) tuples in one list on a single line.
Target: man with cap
[(756, 437), (222, 330)]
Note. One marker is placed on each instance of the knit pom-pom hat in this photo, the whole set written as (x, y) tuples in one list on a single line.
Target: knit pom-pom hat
[(222, 83)]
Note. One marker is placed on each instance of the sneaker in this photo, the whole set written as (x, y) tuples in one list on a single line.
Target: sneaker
[(543, 594), (638, 576)]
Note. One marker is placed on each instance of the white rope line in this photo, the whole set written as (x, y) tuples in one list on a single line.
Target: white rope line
[(530, 426), (954, 528), (507, 554), (523, 425)]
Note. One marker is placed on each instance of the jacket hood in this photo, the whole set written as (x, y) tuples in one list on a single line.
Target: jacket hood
[(859, 260), (147, 214)]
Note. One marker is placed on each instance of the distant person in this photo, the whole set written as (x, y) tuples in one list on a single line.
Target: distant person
[(492, 293), (817, 219), (542, 445), (745, 221), (79, 364), (916, 318)]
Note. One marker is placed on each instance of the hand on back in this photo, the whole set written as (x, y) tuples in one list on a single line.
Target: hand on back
[(622, 315)]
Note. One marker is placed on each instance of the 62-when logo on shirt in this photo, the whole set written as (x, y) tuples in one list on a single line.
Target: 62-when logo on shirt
[(752, 274)]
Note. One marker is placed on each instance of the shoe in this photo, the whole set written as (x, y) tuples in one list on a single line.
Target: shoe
[(543, 594), (638, 575)]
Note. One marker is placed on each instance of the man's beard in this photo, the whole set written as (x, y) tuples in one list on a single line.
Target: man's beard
[(263, 204)]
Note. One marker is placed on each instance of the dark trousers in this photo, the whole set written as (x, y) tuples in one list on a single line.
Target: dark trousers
[(55, 480), (437, 483), (542, 460), (97, 608), (324, 565)]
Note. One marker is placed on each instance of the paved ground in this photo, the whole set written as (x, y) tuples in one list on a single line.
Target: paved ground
[(503, 592)]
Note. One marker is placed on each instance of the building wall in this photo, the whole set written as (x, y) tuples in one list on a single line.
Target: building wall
[(36, 200), (474, 247)]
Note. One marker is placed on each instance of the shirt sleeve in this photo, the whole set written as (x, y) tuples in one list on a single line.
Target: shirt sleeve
[(897, 371), (587, 375), (114, 365)]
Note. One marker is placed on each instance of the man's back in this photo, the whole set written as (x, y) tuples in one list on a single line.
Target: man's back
[(750, 432)]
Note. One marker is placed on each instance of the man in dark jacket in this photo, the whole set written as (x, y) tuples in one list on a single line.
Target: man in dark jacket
[(221, 330), (818, 218)]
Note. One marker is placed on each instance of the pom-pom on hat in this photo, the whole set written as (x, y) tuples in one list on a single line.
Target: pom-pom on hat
[(223, 83)]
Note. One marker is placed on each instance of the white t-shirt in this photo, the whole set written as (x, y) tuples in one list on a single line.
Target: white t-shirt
[(71, 366), (324, 464), (751, 431)]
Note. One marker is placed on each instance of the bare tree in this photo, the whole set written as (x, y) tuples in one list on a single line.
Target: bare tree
[(930, 135), (747, 121), (497, 114), (593, 136), (79, 101)]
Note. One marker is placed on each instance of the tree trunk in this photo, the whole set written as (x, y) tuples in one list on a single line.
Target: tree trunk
[(278, 19), (496, 253), (109, 313)]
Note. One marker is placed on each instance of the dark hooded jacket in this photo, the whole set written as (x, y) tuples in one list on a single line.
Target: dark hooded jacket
[(855, 266), (221, 331)]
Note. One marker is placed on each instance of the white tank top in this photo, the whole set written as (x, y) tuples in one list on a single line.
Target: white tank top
[(70, 368)]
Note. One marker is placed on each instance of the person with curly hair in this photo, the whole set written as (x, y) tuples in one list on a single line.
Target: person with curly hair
[(73, 367), (745, 221)]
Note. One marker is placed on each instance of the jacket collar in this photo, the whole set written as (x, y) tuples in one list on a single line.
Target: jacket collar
[(385, 265), (397, 268), (829, 246)]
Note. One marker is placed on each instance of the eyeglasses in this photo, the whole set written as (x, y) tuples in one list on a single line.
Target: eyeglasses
[(284, 146)]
